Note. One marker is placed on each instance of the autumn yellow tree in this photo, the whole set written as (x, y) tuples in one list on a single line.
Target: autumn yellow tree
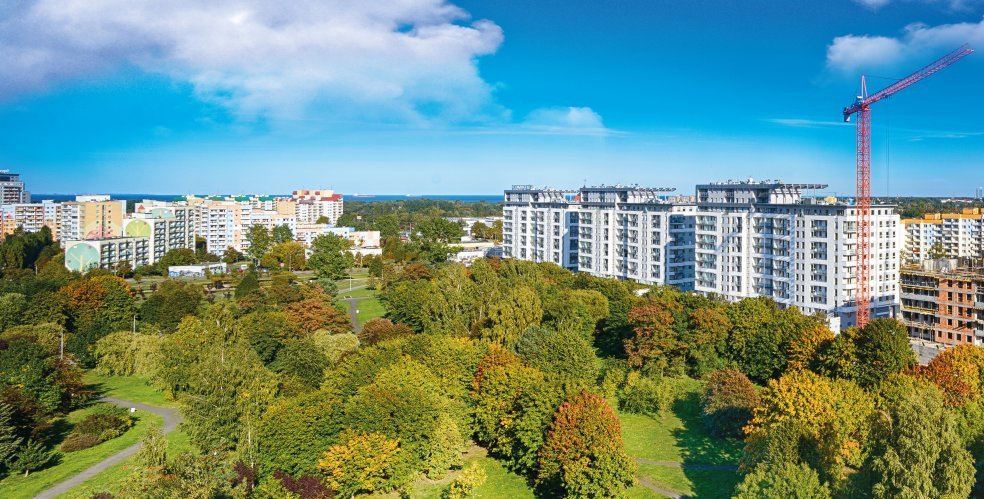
[(361, 462), (831, 417)]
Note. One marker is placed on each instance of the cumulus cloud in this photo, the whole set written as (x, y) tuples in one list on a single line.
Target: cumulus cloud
[(566, 119), (399, 60), (918, 42)]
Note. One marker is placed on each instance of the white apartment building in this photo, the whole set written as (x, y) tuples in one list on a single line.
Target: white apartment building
[(618, 231), (762, 238), (31, 217), (960, 235), (82, 256), (311, 205), (167, 228), (220, 223)]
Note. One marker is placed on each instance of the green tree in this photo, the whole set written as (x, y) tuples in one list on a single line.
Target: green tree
[(916, 449), (153, 451), (466, 484), (294, 432), (172, 301), (787, 481), (937, 251), (583, 455), (334, 346), (302, 360), (12, 306), (728, 401), (439, 230), (566, 356), (282, 234), (32, 456), (177, 256), (259, 241), (882, 349), (289, 255), (518, 310), (9, 441), (330, 258), (250, 283), (231, 255)]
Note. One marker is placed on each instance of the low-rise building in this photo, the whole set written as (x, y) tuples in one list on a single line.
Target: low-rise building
[(197, 271), (107, 253)]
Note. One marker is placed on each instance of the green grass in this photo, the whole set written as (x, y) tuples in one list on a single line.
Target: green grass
[(370, 308), (72, 463), (499, 481), (113, 478), (132, 388), (357, 293), (692, 483), (679, 436)]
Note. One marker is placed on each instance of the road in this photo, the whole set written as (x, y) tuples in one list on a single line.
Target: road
[(171, 421)]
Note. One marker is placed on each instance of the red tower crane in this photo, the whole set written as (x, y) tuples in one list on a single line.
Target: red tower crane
[(862, 106)]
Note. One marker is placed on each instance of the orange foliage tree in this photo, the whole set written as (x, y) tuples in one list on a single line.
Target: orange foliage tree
[(312, 314)]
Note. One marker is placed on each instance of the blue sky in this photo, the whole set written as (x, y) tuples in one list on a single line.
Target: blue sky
[(469, 97)]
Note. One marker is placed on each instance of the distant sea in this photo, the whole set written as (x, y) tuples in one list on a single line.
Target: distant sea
[(467, 198)]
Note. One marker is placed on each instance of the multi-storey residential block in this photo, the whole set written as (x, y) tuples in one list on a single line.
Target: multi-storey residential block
[(942, 302), (167, 227), (220, 223), (311, 205), (958, 235), (12, 189), (80, 220), (764, 239), (30, 217), (622, 232), (108, 253)]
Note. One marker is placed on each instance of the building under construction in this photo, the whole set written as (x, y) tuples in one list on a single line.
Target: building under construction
[(943, 301)]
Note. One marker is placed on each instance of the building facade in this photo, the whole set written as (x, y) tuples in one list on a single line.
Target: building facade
[(618, 231), (88, 220), (943, 303), (12, 190), (312, 204), (763, 238), (954, 235)]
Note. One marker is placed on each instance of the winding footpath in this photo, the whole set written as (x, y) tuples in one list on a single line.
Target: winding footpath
[(171, 419)]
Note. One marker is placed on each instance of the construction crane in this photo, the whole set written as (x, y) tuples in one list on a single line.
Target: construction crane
[(862, 106)]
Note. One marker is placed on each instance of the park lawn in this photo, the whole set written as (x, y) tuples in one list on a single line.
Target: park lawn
[(690, 482), (357, 293), (678, 435), (133, 388), (113, 478), (499, 481), (370, 308), (72, 463)]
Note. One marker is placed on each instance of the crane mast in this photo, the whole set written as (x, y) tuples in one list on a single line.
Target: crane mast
[(862, 107)]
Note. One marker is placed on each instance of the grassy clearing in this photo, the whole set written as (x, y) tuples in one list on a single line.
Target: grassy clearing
[(357, 293), (132, 388), (500, 482), (679, 436), (370, 308), (72, 463)]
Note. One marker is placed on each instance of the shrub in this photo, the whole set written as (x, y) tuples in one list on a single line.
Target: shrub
[(104, 426), (465, 485), (646, 395), (78, 441), (728, 402)]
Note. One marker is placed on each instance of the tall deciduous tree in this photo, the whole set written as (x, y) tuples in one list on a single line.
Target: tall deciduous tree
[(519, 309), (916, 449), (583, 455), (361, 462), (330, 257), (282, 234), (259, 242)]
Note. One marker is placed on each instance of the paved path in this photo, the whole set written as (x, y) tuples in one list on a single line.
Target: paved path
[(659, 490), (353, 307), (171, 420)]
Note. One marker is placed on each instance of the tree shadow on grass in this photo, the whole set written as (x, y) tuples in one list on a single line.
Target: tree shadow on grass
[(709, 462)]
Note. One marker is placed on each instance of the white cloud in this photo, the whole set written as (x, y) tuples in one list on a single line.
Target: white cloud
[(379, 60), (571, 120), (956, 5), (918, 42)]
